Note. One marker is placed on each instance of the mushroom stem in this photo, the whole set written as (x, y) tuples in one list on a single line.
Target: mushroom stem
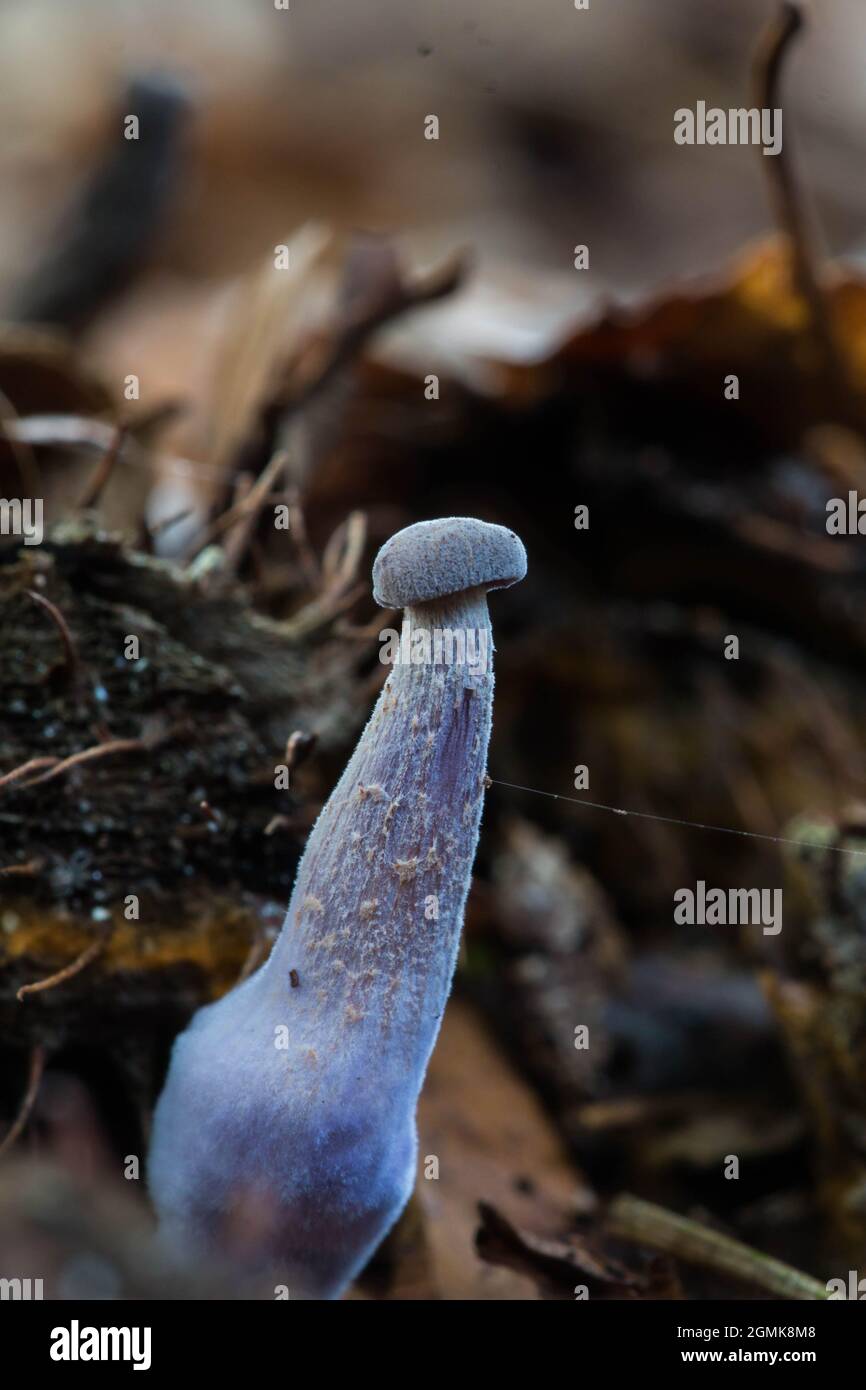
[(287, 1121), (374, 921)]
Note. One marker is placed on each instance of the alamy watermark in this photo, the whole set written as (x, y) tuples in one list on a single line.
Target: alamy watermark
[(739, 125), (846, 516), (22, 517), (77, 1343), (702, 906), (21, 1290), (853, 1289), (437, 646)]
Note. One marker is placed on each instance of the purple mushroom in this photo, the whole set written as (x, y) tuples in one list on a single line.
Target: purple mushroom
[(299, 1089)]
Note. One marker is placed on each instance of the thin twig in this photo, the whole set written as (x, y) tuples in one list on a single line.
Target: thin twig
[(339, 569), (249, 506), (150, 421), (37, 1067), (238, 536), (99, 750), (313, 372), (343, 553), (277, 822), (70, 650), (104, 469), (25, 769), (322, 610), (27, 870), (630, 1218), (770, 53), (364, 632), (299, 746), (298, 532), (75, 967), (80, 432), (159, 527), (25, 460)]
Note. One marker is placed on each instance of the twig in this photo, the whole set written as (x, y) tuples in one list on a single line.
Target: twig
[(237, 536), (104, 469), (99, 750), (110, 225), (25, 769), (630, 1218), (343, 553), (27, 870), (80, 432), (299, 746), (75, 967), (249, 506), (298, 532), (770, 53), (37, 1067), (313, 371), (150, 421), (277, 822), (167, 522), (25, 461), (363, 632), (339, 568), (73, 664), (321, 610)]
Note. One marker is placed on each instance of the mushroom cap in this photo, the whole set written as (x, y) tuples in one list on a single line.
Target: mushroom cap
[(435, 558)]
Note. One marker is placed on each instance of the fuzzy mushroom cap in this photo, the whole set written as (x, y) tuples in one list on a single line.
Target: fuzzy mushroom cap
[(436, 558)]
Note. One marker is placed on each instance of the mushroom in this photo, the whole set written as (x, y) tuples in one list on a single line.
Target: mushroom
[(298, 1090)]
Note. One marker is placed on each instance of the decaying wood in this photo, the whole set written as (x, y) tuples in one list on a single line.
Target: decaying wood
[(204, 714)]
